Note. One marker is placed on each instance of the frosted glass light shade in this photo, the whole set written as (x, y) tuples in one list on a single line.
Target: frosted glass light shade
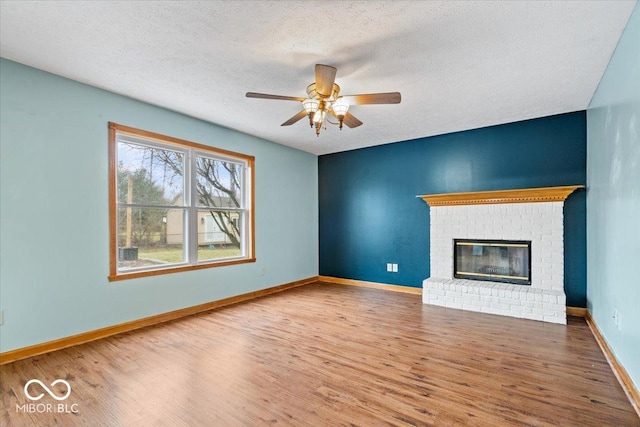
[(310, 105), (340, 108), (318, 116)]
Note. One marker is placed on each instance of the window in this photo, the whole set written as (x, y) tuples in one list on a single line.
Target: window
[(176, 205)]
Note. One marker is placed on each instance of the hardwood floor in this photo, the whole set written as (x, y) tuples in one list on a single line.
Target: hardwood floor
[(326, 354)]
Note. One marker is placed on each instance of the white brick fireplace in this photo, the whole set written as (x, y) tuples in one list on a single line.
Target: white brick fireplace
[(534, 215)]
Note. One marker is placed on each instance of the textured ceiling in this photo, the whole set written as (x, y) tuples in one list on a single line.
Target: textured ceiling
[(458, 65)]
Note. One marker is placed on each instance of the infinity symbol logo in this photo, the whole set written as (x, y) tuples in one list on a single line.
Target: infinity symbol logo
[(52, 394)]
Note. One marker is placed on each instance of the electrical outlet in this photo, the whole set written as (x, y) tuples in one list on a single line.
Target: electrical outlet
[(615, 317), (389, 267), (395, 268), (262, 271)]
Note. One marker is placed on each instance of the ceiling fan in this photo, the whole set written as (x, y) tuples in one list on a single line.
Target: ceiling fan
[(324, 100)]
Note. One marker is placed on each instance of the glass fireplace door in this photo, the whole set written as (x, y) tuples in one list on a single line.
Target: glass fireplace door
[(507, 261)]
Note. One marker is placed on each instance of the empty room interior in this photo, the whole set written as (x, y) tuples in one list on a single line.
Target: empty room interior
[(240, 213)]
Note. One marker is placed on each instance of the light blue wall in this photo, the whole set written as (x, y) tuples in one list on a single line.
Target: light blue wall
[(613, 201), (54, 258)]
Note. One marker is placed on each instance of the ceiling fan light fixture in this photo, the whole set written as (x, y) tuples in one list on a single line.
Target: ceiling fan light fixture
[(310, 105), (340, 107)]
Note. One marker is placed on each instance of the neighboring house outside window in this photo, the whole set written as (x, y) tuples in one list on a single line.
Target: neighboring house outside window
[(176, 205)]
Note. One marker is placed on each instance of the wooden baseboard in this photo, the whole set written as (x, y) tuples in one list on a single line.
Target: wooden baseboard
[(618, 370), (577, 311), (49, 346), (395, 288)]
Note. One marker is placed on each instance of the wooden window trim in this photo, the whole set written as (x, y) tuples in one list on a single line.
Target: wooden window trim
[(114, 129)]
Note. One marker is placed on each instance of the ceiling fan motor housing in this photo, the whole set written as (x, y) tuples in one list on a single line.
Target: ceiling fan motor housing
[(314, 94)]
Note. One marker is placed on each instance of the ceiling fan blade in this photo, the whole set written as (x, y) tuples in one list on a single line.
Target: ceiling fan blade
[(325, 78), (295, 118), (351, 121), (279, 97), (373, 98)]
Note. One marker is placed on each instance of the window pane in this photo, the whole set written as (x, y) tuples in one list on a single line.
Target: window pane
[(150, 236), (219, 234), (170, 198), (219, 183), (150, 176)]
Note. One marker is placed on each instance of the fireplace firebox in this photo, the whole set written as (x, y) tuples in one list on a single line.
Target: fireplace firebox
[(506, 261)]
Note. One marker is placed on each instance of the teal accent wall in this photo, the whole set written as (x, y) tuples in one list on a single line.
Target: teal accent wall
[(54, 258), (370, 216), (613, 201)]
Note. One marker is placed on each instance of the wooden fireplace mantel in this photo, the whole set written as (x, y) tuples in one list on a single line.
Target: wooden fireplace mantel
[(523, 195)]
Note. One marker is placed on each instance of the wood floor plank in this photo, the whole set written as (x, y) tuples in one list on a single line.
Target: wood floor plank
[(327, 354)]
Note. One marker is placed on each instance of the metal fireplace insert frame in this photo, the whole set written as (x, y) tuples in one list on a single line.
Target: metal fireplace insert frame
[(492, 276)]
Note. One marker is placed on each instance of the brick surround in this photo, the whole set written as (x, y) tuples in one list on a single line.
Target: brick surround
[(542, 223)]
